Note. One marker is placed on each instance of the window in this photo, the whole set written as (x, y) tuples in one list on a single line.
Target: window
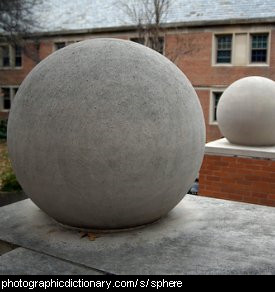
[(157, 46), (160, 45), (259, 43), (6, 98), (17, 56), (138, 40), (60, 45), (10, 56), (241, 48), (216, 97), (5, 56), (224, 49), (7, 95)]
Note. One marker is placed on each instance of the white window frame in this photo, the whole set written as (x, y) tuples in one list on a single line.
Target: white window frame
[(67, 42), (249, 39), (162, 36), (249, 34), (12, 58), (215, 49), (12, 95), (212, 105)]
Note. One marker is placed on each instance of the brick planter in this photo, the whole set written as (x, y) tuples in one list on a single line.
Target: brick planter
[(238, 178)]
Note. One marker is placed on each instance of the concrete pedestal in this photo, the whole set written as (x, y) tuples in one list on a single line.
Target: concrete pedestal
[(200, 236), (239, 173)]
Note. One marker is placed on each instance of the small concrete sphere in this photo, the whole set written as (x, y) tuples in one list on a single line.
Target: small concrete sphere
[(106, 134), (246, 112)]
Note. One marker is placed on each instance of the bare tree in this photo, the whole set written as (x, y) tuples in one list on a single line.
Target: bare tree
[(149, 16), (184, 44), (16, 22)]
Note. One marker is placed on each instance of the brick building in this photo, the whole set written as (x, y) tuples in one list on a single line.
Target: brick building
[(228, 40)]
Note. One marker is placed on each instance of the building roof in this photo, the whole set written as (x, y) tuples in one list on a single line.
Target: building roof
[(67, 15)]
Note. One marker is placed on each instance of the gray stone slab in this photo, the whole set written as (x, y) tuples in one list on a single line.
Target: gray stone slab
[(224, 147), (200, 236), (22, 261)]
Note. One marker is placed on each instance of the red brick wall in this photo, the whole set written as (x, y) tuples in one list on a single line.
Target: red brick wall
[(212, 131), (196, 65), (16, 76), (12, 77), (239, 179)]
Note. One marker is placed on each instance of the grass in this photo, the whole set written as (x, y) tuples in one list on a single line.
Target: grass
[(8, 182)]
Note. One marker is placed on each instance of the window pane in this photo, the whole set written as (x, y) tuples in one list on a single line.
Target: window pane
[(7, 103), (259, 41), (224, 57), (60, 45), (259, 56), (157, 46), (160, 45), (217, 96), (5, 92), (5, 56), (224, 42), (138, 40), (6, 98), (15, 90), (18, 56), (224, 48)]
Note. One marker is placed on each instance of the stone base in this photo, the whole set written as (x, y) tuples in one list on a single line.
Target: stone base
[(200, 236), (238, 173)]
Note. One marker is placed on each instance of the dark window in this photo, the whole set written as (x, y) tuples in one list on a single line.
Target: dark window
[(159, 46), (15, 89), (259, 48), (217, 96), (156, 45), (6, 98), (138, 40), (5, 51), (60, 45), (224, 48), (18, 56)]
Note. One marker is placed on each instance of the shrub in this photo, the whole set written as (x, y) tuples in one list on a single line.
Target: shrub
[(9, 182)]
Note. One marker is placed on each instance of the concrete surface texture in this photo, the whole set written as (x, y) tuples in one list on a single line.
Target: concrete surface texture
[(23, 261), (224, 147), (245, 112), (200, 236), (106, 134)]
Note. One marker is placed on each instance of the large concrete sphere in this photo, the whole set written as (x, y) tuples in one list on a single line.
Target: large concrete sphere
[(106, 134), (246, 112)]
